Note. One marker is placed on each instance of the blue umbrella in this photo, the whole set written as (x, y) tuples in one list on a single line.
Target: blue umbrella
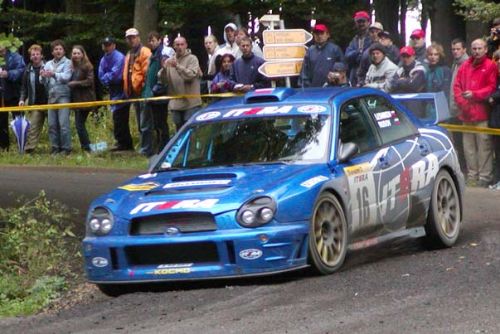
[(20, 126)]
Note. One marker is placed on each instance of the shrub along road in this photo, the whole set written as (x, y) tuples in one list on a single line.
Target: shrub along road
[(393, 288)]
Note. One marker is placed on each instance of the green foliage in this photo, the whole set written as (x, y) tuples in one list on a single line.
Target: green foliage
[(37, 252), (100, 128), (478, 10), (9, 42)]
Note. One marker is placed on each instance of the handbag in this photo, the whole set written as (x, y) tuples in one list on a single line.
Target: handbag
[(159, 89)]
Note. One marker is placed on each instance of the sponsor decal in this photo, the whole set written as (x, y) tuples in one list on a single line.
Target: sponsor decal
[(358, 169), (313, 181), (172, 269), (258, 111), (183, 204), (264, 91), (196, 183), (208, 116), (250, 254), (147, 176), (99, 262), (139, 186), (384, 124), (311, 109), (383, 115)]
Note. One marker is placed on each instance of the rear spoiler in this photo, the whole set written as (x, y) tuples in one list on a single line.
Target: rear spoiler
[(430, 108)]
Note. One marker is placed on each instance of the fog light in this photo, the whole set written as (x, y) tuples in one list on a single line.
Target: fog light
[(106, 226), (94, 224), (248, 217), (266, 214)]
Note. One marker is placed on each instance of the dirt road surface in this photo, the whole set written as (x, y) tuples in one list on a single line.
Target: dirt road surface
[(398, 287)]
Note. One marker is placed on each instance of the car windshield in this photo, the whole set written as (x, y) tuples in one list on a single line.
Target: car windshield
[(250, 140)]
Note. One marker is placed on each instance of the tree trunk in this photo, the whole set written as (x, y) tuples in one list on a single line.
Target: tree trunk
[(402, 21), (146, 17), (445, 24), (387, 13)]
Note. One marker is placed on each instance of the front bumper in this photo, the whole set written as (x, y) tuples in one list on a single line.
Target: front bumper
[(217, 254)]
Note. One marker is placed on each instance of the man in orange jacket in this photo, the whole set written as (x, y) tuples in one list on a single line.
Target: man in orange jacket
[(134, 78)]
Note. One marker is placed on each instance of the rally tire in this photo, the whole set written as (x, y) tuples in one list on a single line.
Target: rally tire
[(328, 236), (445, 214)]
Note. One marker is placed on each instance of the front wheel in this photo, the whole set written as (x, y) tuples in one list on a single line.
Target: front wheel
[(327, 235), (445, 214), (113, 290)]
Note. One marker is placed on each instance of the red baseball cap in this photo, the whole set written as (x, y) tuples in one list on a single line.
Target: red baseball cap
[(418, 33), (320, 27), (361, 15), (407, 50)]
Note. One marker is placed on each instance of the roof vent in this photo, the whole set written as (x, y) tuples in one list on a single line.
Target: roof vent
[(268, 95)]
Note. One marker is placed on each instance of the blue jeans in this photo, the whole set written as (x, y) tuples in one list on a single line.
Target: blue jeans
[(59, 127), (145, 124)]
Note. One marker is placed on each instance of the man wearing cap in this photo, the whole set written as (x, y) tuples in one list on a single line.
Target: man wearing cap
[(181, 73), (134, 78), (410, 75), (417, 42), (319, 58), (338, 76), (230, 47), (110, 74), (373, 31), (358, 45), (391, 50), (475, 81), (381, 70)]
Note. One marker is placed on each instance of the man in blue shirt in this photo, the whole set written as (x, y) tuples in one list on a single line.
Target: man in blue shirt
[(10, 86), (245, 69), (110, 75), (319, 59)]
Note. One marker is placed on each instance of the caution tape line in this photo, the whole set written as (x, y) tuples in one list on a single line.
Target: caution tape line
[(471, 129), (79, 105)]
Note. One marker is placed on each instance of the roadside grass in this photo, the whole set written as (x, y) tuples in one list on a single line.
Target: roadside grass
[(37, 255), (100, 128)]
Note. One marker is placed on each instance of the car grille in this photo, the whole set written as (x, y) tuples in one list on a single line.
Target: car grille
[(198, 252), (183, 222)]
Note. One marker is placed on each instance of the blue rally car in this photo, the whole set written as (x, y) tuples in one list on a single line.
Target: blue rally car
[(278, 180)]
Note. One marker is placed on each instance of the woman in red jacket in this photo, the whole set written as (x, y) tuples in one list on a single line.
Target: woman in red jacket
[(82, 90)]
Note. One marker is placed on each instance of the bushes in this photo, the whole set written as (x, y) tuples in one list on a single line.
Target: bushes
[(37, 251)]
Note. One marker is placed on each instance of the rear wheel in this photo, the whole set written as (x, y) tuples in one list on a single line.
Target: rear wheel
[(444, 219), (327, 235)]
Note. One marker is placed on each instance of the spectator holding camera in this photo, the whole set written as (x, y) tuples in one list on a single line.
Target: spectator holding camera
[(337, 77), (494, 38)]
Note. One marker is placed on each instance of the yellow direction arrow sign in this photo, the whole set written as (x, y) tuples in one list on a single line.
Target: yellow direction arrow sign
[(285, 68), (284, 51), (286, 36)]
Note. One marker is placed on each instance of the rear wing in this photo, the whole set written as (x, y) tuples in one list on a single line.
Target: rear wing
[(430, 108)]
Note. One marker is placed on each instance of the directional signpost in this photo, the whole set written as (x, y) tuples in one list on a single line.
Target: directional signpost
[(286, 36), (284, 51), (281, 68)]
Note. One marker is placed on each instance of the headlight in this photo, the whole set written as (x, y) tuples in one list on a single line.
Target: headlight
[(100, 221), (256, 212)]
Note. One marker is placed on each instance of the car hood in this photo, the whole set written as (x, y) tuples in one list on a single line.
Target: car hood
[(213, 190)]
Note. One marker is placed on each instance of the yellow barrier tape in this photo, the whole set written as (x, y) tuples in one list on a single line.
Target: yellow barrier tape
[(470, 129), (78, 105)]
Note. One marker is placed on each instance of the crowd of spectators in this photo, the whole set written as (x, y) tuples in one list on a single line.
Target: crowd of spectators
[(370, 60)]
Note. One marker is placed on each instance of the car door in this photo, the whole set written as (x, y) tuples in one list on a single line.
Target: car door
[(402, 150), (356, 126)]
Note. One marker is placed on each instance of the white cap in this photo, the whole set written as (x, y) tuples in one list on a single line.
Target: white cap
[(131, 32)]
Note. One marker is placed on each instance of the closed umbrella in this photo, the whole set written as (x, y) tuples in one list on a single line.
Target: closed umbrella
[(20, 126)]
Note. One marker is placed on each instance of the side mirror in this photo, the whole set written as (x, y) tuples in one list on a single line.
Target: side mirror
[(152, 161), (347, 151)]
